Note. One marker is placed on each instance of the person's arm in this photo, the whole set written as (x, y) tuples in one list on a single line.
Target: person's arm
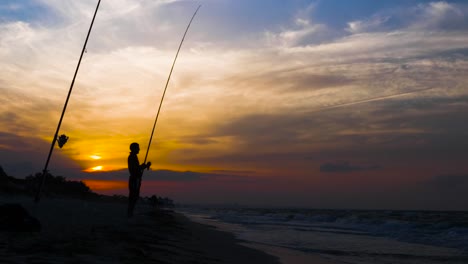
[(145, 166)]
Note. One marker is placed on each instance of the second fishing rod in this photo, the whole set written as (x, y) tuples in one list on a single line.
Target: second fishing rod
[(167, 83)]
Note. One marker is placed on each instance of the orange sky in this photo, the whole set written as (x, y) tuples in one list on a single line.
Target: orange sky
[(296, 104)]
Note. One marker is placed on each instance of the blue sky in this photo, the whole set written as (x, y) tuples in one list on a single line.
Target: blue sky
[(269, 99)]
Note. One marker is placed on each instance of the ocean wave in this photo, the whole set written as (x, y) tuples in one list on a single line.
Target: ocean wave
[(443, 229)]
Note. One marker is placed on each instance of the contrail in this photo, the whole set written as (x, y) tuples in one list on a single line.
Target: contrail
[(372, 99)]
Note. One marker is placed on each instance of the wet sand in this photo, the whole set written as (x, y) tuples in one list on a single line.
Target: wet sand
[(77, 231)]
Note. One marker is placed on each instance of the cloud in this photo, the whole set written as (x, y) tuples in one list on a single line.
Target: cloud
[(23, 156), (440, 15), (374, 23), (345, 167), (424, 128), (294, 80), (168, 175), (422, 17), (304, 30), (20, 112), (380, 45), (305, 33), (234, 172), (390, 86), (398, 32), (432, 16)]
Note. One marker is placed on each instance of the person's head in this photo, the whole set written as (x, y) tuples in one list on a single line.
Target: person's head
[(135, 148)]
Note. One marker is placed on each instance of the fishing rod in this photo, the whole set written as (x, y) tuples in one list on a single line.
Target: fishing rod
[(167, 82), (63, 139)]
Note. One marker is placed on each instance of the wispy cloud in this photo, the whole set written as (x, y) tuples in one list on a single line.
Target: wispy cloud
[(302, 31), (440, 15), (360, 26)]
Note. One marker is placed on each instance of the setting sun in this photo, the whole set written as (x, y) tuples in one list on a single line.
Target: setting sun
[(97, 168), (95, 157), (93, 169)]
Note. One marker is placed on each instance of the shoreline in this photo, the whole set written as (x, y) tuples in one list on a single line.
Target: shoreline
[(221, 246), (283, 255), (80, 231)]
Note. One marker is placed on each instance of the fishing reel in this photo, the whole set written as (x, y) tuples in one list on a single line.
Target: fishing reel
[(62, 140)]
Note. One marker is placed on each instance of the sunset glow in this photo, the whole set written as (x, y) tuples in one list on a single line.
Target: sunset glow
[(102, 185), (316, 103)]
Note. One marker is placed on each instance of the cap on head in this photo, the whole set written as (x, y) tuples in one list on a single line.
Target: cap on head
[(134, 146)]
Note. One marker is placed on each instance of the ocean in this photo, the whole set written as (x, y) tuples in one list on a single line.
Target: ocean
[(347, 236)]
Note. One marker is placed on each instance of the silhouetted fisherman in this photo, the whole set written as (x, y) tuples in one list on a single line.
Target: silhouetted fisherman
[(134, 181)]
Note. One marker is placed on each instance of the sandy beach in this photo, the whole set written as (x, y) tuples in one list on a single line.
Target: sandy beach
[(77, 231)]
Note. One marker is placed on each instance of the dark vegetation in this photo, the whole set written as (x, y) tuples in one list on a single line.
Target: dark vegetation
[(55, 186), (60, 187)]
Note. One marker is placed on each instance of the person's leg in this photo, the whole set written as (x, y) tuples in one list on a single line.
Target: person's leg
[(135, 192), (132, 197), (131, 206)]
